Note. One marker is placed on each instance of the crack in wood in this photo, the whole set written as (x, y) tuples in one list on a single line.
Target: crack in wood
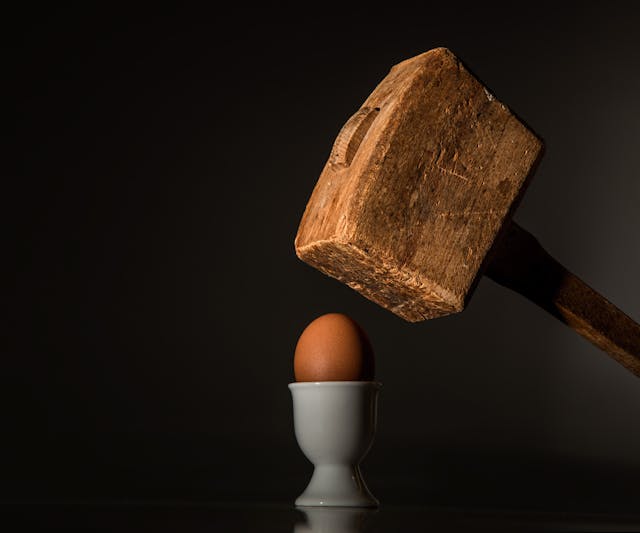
[(453, 172), (468, 212)]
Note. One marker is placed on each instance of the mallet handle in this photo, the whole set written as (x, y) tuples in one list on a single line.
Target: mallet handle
[(520, 263)]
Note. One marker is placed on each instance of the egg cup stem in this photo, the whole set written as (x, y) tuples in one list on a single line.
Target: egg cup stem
[(337, 485)]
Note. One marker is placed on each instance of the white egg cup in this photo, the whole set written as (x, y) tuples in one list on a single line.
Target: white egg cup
[(335, 422)]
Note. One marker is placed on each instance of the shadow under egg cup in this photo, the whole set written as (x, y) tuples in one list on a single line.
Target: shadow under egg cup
[(335, 422)]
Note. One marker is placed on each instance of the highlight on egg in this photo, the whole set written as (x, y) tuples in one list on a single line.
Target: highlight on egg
[(334, 347)]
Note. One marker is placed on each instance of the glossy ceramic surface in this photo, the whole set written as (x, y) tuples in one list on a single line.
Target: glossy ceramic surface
[(335, 423)]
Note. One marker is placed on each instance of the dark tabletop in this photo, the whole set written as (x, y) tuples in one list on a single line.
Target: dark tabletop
[(266, 517)]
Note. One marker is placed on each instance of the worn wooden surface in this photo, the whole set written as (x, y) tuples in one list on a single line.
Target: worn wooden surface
[(418, 185), (520, 263), (415, 202)]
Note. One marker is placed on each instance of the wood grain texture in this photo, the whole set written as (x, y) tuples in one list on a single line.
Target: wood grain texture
[(420, 182), (520, 263), (415, 203)]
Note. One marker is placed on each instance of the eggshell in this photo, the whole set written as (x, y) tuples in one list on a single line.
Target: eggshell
[(333, 348)]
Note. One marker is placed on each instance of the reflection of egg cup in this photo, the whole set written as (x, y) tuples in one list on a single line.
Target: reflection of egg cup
[(334, 520), (334, 423)]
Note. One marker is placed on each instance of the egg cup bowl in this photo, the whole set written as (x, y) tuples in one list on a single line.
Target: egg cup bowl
[(334, 423)]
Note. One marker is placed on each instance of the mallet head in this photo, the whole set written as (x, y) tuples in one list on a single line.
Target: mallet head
[(419, 184)]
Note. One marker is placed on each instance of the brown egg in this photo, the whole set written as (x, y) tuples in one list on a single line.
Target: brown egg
[(333, 348)]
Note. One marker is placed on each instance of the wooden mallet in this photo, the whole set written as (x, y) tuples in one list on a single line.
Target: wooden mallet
[(416, 199)]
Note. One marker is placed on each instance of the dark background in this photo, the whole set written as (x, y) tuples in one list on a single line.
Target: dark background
[(158, 165)]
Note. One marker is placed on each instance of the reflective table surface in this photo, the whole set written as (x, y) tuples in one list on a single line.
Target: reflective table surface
[(267, 517)]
